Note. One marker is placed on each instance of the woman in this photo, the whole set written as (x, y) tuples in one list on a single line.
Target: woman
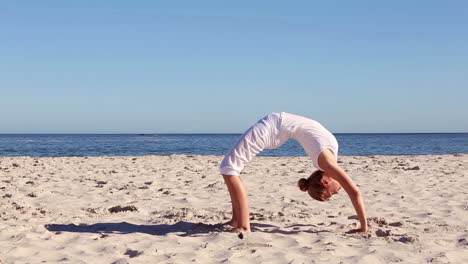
[(273, 131)]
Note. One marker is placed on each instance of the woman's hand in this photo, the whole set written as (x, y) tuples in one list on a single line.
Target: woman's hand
[(327, 162)]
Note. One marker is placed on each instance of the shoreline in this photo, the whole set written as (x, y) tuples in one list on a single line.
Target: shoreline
[(165, 209), (208, 155)]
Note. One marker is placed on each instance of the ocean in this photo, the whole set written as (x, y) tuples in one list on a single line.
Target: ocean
[(57, 145)]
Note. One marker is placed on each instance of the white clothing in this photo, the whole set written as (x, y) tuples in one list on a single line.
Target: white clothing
[(274, 130)]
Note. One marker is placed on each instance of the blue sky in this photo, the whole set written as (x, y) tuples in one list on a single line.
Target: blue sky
[(218, 66)]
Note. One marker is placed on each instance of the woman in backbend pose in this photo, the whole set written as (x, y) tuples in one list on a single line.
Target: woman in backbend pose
[(273, 131)]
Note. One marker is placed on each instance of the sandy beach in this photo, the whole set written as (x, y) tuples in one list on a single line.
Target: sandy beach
[(167, 209)]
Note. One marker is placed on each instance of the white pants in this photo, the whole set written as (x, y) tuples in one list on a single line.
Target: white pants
[(265, 134)]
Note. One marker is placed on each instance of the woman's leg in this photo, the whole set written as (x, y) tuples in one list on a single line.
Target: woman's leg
[(240, 204), (246, 147), (233, 221)]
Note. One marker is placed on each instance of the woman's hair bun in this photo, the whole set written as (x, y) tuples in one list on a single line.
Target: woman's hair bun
[(303, 184)]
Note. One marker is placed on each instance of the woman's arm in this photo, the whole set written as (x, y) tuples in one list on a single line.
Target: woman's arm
[(327, 162)]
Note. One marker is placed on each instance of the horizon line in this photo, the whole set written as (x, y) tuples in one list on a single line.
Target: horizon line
[(223, 133)]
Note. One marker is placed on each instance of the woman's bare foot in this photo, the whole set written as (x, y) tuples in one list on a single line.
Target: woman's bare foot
[(240, 229), (232, 223)]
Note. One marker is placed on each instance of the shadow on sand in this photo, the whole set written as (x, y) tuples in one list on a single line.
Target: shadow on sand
[(181, 228)]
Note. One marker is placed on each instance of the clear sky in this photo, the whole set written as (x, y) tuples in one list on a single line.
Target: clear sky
[(218, 66)]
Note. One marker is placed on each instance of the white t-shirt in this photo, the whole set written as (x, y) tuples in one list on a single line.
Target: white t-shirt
[(274, 130)]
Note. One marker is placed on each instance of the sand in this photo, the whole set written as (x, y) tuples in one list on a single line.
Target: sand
[(167, 209)]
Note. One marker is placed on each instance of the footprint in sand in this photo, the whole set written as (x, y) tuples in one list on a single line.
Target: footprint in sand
[(133, 253), (382, 233), (462, 242), (406, 239), (118, 209), (243, 246)]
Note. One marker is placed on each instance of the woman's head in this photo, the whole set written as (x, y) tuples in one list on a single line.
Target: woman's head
[(319, 186)]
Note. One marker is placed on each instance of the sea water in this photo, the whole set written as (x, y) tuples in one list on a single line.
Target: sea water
[(53, 145)]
